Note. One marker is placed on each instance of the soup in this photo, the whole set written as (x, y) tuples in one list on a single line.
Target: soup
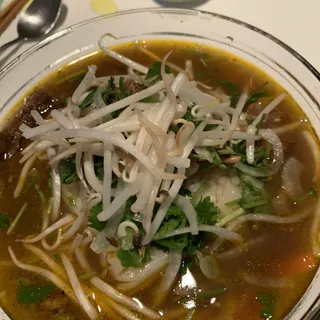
[(172, 186)]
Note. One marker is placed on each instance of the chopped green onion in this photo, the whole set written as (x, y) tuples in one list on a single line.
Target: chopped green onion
[(232, 203), (312, 192), (254, 204), (16, 220), (41, 194), (29, 185)]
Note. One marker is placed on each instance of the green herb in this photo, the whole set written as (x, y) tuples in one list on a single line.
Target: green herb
[(99, 167), (232, 203), (231, 89), (128, 214), (88, 100), (132, 258), (268, 300), (57, 257), (261, 153), (122, 90), (217, 160), (24, 281), (27, 294), (31, 183), (78, 76), (155, 71), (93, 218), (40, 193), (14, 223), (253, 199), (68, 171), (113, 94), (197, 194), (174, 219), (87, 275), (152, 99), (4, 220), (207, 212), (311, 193), (208, 294), (260, 123), (254, 97)]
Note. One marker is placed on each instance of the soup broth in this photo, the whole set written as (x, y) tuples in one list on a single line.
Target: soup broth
[(262, 276)]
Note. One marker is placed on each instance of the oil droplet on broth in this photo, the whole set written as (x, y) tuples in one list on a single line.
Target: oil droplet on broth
[(103, 6)]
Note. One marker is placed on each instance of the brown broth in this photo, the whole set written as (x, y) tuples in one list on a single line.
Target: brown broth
[(269, 259)]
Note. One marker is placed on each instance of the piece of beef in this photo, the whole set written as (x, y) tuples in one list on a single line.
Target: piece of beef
[(11, 139)]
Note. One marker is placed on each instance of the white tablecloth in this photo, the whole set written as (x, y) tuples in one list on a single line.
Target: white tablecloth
[(293, 21)]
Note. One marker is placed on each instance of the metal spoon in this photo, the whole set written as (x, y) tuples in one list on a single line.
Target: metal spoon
[(36, 21)]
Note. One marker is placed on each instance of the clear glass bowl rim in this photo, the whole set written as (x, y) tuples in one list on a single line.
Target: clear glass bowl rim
[(70, 29), (184, 12)]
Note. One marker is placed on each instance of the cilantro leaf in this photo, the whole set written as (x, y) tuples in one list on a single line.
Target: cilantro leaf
[(174, 219), (155, 71), (312, 192), (231, 89), (252, 198), (68, 172), (4, 220), (207, 211), (33, 294), (268, 300), (132, 258), (93, 218), (255, 96)]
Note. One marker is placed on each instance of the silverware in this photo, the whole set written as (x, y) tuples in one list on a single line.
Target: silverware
[(36, 21)]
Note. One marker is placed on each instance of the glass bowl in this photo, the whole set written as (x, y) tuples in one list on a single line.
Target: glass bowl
[(271, 55)]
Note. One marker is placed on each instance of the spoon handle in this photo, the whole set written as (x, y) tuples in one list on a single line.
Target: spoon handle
[(8, 44)]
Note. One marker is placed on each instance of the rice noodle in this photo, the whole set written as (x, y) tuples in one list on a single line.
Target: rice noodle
[(189, 211), (291, 178), (114, 139), (76, 286), (45, 274), (277, 149), (269, 108), (57, 225), (219, 231), (117, 56), (113, 293), (267, 282), (56, 186), (23, 175), (118, 201), (55, 267), (175, 257), (85, 84), (315, 152), (294, 218), (76, 225), (90, 174)]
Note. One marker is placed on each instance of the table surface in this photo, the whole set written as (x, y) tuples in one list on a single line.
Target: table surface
[(292, 21)]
